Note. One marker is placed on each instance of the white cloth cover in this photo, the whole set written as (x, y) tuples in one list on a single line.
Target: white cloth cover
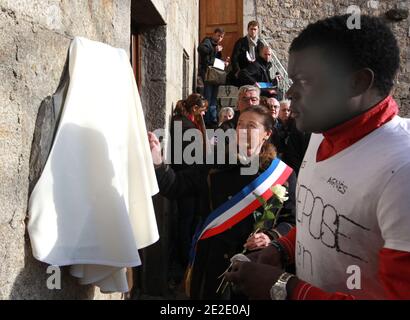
[(92, 206)]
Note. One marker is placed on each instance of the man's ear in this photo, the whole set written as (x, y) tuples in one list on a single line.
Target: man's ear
[(268, 134), (362, 81)]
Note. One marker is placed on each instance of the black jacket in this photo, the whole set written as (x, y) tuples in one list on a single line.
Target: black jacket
[(216, 185), (295, 147), (207, 54), (185, 124), (239, 60), (257, 71), (188, 207)]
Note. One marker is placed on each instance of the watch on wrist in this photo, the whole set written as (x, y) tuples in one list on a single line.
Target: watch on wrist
[(278, 290)]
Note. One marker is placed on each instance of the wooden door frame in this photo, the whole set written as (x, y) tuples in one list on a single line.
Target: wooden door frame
[(136, 57)]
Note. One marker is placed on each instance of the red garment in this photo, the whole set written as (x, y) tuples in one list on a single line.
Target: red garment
[(394, 265), (394, 274), (288, 242), (192, 119), (346, 134)]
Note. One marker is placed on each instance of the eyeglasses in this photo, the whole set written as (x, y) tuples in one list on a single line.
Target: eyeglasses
[(253, 99)]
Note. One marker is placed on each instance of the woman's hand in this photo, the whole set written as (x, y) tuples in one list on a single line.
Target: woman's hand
[(257, 241), (155, 147)]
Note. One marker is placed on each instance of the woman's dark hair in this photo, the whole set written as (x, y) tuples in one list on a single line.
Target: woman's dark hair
[(184, 107), (268, 151)]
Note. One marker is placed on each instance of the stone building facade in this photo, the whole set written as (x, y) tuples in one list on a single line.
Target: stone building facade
[(282, 20), (34, 39)]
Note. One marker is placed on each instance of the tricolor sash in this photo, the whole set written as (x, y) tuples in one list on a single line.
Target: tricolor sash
[(241, 204)]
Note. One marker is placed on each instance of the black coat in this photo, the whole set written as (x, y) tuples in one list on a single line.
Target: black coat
[(216, 185), (207, 54), (239, 60), (188, 207), (295, 147), (185, 124), (257, 71)]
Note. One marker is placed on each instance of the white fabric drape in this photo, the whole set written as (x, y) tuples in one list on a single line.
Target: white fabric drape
[(92, 206)]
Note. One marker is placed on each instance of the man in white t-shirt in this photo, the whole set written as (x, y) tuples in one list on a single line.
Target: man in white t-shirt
[(352, 239)]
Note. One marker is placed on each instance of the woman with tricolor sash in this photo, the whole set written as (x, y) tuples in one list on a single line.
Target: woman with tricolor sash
[(230, 201)]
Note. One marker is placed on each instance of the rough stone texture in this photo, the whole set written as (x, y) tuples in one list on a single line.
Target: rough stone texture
[(182, 34), (282, 20), (249, 13), (153, 91), (34, 39), (163, 48)]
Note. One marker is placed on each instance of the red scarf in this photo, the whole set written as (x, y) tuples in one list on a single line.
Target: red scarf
[(192, 118), (346, 134)]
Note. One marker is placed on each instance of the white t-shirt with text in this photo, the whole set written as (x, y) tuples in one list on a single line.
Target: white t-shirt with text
[(350, 206)]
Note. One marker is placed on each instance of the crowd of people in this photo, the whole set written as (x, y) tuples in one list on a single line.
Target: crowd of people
[(251, 64), (194, 188), (346, 200)]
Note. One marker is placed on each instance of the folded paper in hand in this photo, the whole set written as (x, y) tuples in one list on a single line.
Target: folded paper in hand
[(220, 64)]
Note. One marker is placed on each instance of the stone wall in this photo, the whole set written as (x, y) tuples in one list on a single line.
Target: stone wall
[(182, 34), (35, 37), (154, 82), (282, 20)]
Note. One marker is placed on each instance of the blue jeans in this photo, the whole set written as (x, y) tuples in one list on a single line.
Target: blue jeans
[(210, 93)]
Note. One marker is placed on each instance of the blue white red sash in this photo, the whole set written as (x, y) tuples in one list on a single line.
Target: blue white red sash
[(242, 204)]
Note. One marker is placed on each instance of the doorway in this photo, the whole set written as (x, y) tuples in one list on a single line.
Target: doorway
[(227, 14)]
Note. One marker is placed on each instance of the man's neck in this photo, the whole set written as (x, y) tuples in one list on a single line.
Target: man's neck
[(364, 105), (352, 130)]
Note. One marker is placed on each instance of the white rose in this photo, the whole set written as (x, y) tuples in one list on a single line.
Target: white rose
[(280, 193)]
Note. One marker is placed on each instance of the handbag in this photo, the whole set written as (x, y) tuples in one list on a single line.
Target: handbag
[(215, 76)]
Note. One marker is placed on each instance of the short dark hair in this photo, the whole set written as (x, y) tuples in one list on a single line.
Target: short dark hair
[(371, 46), (219, 30), (253, 23)]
